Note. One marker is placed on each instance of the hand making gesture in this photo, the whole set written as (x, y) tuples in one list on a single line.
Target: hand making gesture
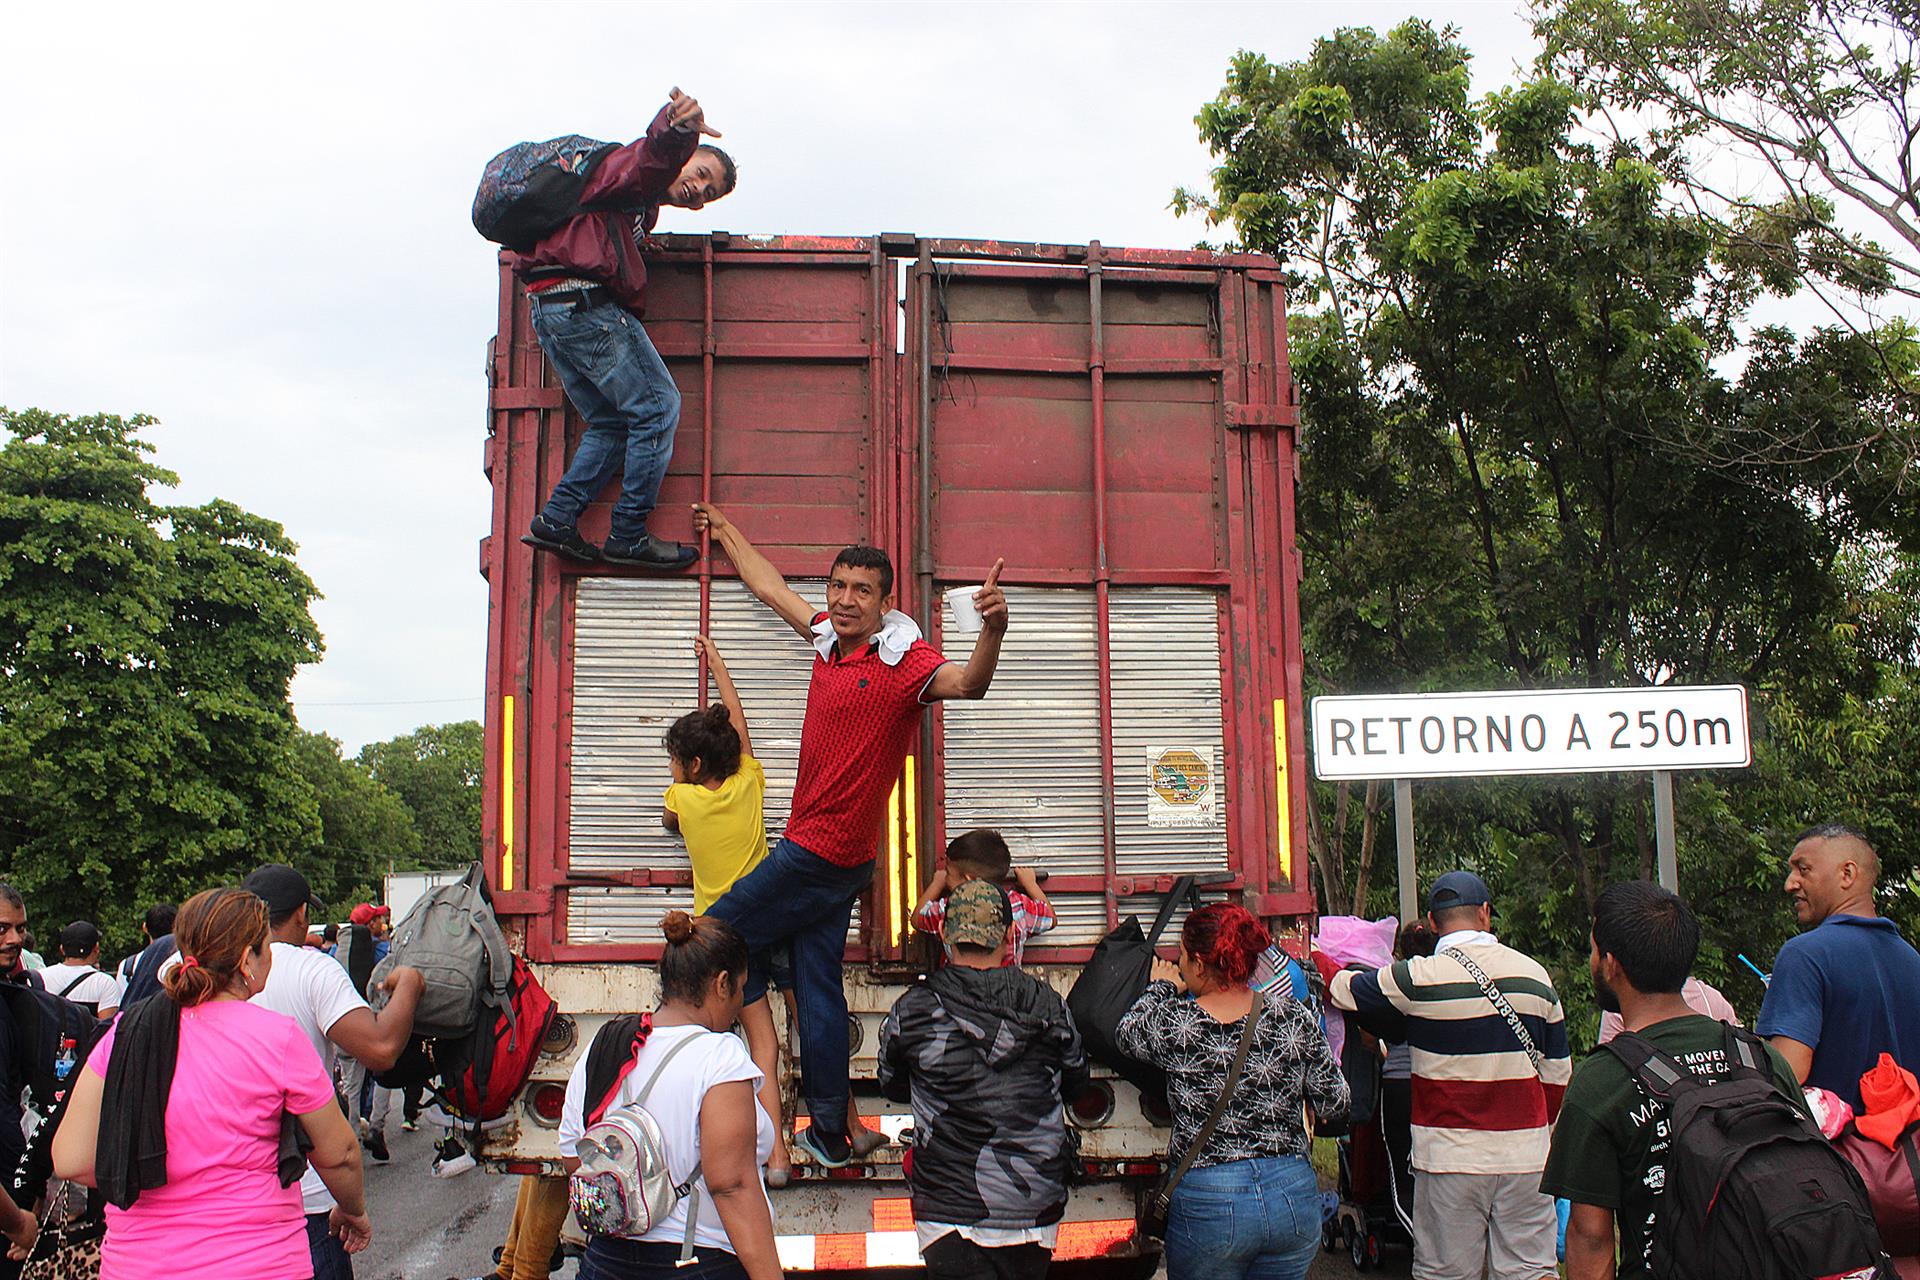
[(686, 115), (991, 601)]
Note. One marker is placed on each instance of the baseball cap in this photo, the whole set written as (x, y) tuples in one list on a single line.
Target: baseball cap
[(283, 889), (79, 938), (1457, 889), (977, 914), (367, 913)]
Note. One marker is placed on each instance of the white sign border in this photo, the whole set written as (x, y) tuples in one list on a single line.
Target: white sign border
[(1405, 768)]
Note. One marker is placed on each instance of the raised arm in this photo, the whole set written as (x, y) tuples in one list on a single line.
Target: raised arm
[(757, 572), (970, 682), (729, 696)]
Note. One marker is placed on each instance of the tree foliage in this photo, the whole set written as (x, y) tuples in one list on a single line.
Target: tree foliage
[(436, 773), (146, 744), (1783, 123), (1511, 345), (365, 829)]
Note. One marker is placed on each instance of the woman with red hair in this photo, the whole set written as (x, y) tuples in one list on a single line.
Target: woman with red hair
[(1249, 1204)]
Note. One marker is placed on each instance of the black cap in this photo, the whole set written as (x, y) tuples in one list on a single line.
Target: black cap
[(1457, 889), (79, 939), (283, 890)]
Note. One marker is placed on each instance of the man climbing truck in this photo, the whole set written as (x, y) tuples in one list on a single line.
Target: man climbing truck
[(1117, 425)]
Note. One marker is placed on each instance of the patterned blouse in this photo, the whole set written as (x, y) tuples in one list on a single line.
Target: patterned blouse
[(1288, 1063)]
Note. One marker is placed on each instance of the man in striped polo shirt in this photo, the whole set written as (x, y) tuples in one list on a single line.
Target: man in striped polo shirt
[(1490, 1064)]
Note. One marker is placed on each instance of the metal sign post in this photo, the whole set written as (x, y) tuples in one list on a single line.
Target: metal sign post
[(1669, 859), (1656, 729), (1403, 838)]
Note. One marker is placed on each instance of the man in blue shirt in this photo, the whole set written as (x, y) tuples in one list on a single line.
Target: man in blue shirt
[(1844, 992)]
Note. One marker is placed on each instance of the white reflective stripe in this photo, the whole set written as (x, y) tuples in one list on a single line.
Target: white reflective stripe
[(893, 1249), (796, 1252)]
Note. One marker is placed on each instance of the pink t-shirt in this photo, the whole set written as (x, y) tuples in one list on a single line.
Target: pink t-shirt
[(223, 1211)]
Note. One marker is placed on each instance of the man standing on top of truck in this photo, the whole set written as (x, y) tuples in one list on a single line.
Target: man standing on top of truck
[(873, 675), (586, 292)]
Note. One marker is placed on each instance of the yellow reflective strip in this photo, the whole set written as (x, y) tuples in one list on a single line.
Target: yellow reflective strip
[(506, 792), (1280, 788), (893, 859), (910, 890)]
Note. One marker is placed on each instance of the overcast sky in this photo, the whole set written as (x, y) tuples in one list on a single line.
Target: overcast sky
[(251, 222)]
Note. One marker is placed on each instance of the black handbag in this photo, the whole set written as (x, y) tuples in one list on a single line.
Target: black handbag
[(1153, 1220), (1112, 981)]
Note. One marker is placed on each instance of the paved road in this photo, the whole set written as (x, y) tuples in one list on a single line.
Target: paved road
[(427, 1228)]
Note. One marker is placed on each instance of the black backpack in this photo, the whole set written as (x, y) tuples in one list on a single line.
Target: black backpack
[(533, 187), (1752, 1189)]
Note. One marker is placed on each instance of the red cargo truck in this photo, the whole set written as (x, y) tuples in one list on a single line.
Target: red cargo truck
[(1119, 425)]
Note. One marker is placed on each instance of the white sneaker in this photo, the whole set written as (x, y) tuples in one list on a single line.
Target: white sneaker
[(455, 1167)]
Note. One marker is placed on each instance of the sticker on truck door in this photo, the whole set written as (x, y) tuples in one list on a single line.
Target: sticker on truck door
[(1180, 787)]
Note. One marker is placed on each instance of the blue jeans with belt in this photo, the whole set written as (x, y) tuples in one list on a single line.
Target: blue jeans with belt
[(1251, 1219), (797, 896), (621, 387)]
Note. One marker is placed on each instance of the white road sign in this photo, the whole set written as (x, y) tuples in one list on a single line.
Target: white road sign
[(1448, 735)]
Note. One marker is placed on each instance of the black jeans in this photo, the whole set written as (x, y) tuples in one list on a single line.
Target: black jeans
[(954, 1257), (611, 1258)]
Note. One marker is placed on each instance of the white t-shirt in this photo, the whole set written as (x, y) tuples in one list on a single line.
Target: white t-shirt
[(718, 1057), (312, 989), (82, 984)]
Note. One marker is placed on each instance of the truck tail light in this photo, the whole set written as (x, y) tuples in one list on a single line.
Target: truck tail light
[(1155, 1111), (1093, 1105), (545, 1103)]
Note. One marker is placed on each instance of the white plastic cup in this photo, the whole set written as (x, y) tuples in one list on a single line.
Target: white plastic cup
[(966, 618)]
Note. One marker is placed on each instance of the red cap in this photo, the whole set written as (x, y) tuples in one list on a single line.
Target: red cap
[(366, 913)]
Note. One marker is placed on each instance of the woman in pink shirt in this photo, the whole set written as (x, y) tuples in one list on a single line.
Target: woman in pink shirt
[(179, 1117)]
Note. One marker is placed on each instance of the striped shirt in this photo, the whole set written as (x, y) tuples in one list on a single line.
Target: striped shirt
[(1478, 1104)]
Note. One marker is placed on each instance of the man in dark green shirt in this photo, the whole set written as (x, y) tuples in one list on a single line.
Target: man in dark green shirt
[(1609, 1147)]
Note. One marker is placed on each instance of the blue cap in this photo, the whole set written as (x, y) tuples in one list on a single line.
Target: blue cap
[(1457, 889)]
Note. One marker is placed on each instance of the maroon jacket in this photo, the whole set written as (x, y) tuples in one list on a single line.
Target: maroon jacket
[(628, 184)]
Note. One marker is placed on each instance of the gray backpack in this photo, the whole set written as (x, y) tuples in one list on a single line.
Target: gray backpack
[(453, 939)]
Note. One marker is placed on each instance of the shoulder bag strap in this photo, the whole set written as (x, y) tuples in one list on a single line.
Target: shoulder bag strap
[(1182, 888), (1165, 1195), (1499, 1002), (685, 1189)]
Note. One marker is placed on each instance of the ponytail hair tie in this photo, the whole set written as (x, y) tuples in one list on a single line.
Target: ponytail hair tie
[(191, 962)]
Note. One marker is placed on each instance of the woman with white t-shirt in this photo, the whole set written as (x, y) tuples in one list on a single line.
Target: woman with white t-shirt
[(705, 1105)]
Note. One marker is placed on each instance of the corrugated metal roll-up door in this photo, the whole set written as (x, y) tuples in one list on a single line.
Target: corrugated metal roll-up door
[(627, 915), (1165, 645), (633, 675), (771, 667), (1026, 759)]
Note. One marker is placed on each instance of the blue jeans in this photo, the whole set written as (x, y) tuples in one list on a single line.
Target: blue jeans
[(799, 897), (620, 385), (330, 1258), (1257, 1219)]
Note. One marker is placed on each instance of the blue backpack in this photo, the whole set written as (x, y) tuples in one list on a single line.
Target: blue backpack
[(533, 187)]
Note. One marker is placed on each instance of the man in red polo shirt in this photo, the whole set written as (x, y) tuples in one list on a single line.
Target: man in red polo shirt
[(873, 675)]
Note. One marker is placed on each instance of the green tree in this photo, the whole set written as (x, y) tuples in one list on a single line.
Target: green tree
[(1785, 123), (145, 650), (1509, 352), (1816, 95), (365, 829), (436, 771)]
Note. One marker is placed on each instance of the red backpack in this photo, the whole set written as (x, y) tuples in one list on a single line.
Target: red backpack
[(1893, 1181), (499, 1057)]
